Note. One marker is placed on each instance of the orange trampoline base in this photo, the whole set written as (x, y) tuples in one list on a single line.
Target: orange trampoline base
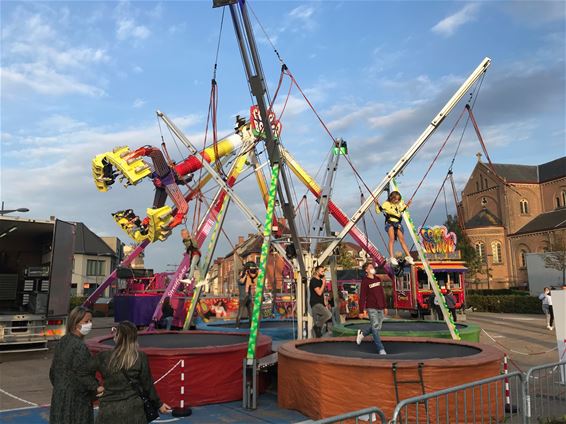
[(325, 377)]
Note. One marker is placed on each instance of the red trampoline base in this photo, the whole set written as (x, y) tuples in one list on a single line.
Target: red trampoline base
[(192, 368)]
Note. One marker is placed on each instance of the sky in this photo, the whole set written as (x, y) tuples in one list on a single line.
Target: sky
[(79, 78)]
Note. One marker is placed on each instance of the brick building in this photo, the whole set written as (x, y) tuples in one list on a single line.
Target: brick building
[(512, 210)]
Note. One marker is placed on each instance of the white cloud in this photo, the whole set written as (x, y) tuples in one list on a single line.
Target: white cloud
[(138, 103), (37, 57), (44, 80), (394, 118), (127, 28), (448, 26), (302, 18)]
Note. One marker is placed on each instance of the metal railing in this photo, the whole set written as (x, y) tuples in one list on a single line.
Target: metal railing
[(481, 401), (545, 392), (367, 415)]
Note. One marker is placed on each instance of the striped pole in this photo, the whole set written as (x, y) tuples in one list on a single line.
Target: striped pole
[(182, 383), (506, 371), (267, 228)]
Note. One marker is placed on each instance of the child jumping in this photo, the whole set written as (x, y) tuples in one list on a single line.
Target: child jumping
[(392, 209)]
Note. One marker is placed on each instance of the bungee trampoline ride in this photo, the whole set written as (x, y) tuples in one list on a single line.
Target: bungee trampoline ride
[(219, 166)]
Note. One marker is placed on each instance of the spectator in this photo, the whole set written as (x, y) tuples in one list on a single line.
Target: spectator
[(547, 307), (72, 373), (167, 313), (451, 303), (320, 314), (246, 284), (126, 373), (372, 300)]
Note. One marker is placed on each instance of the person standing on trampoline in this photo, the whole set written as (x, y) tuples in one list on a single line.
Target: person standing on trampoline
[(246, 283), (372, 302), (392, 209)]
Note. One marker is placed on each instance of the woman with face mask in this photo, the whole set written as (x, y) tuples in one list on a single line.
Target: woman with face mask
[(72, 373), (126, 374)]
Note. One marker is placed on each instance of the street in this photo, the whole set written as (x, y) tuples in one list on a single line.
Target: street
[(24, 377)]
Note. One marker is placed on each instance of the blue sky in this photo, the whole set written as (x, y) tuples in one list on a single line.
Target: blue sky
[(79, 78)]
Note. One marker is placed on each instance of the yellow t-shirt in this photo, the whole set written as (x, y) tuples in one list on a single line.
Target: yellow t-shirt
[(393, 210)]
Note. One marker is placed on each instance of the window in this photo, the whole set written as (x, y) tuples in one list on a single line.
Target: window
[(523, 258), (481, 181), (524, 207), (496, 252), (557, 199), (480, 249), (563, 198), (477, 186), (486, 185), (94, 268)]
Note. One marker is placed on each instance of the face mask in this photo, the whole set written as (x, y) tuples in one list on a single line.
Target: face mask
[(85, 328), (372, 271)]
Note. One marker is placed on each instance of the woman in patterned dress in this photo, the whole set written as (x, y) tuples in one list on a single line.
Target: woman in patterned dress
[(72, 373)]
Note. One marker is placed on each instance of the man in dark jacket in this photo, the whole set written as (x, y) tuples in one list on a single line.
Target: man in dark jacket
[(451, 304), (372, 300)]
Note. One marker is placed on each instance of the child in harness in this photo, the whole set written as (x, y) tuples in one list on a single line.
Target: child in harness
[(392, 209)]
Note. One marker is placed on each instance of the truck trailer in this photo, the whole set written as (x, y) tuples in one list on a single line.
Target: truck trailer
[(36, 263)]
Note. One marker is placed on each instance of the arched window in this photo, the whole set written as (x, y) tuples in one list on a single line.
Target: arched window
[(477, 186), (480, 249), (496, 252), (523, 258), (557, 198), (486, 185), (524, 207), (563, 198)]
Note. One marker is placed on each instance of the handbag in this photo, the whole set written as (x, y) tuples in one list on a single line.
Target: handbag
[(151, 412)]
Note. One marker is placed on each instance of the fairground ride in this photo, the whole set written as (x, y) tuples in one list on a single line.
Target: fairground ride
[(223, 161)]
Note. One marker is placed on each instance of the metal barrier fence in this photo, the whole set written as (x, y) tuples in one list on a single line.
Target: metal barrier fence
[(514, 398), (545, 395), (367, 415), (483, 401)]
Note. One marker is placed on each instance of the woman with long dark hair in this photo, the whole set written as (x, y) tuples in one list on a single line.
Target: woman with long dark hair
[(72, 373), (126, 373)]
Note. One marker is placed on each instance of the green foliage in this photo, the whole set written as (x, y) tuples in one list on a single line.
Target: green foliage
[(76, 301), (498, 292), (345, 258), (515, 304)]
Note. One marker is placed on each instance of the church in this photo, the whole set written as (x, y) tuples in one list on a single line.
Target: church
[(510, 210)]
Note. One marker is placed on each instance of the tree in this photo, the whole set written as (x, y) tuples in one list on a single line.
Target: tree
[(345, 258), (555, 258), (474, 262)]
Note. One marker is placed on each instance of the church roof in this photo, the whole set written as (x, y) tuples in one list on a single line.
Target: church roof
[(548, 221), (483, 218), (531, 173)]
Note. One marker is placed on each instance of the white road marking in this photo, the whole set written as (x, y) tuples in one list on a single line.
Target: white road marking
[(18, 398)]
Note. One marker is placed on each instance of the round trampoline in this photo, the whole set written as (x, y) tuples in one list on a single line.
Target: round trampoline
[(410, 328), (326, 377), (193, 368), (277, 329)]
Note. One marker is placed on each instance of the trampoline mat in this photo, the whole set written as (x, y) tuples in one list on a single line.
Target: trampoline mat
[(395, 350), (179, 341), (407, 326), (264, 324)]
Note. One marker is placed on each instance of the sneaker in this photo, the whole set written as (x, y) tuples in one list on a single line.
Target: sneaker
[(393, 261), (359, 337), (409, 260), (382, 352)]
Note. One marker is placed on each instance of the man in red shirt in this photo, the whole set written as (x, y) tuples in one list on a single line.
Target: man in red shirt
[(372, 300)]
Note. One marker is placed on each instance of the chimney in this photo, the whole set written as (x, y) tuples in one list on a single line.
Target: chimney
[(240, 239)]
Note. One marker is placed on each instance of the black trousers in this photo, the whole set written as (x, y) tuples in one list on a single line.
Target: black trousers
[(244, 304)]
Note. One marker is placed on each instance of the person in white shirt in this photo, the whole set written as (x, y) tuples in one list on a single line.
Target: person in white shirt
[(547, 307)]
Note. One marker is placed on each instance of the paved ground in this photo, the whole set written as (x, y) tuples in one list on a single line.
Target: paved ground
[(524, 337)]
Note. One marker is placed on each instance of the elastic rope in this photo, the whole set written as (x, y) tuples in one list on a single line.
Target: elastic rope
[(437, 155)]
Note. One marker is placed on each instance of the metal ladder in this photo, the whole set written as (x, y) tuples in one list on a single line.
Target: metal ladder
[(420, 381)]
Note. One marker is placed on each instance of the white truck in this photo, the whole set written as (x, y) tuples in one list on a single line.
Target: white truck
[(36, 262)]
